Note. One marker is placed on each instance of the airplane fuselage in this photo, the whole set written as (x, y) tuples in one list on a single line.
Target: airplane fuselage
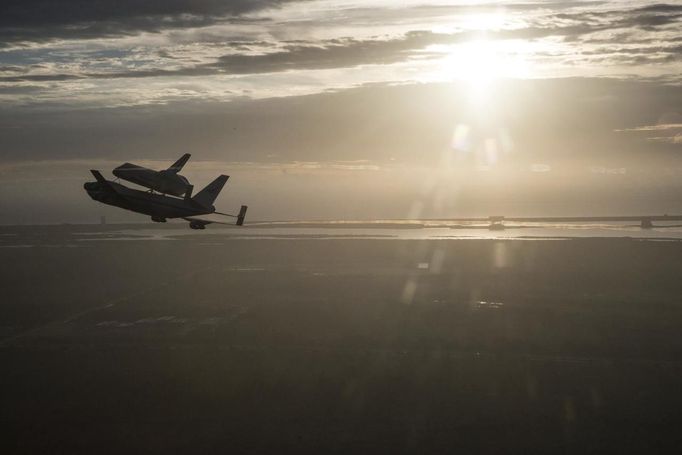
[(158, 206)]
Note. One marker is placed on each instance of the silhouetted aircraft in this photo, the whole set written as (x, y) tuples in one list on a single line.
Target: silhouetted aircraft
[(167, 181), (160, 207)]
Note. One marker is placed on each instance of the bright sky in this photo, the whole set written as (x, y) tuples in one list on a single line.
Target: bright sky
[(391, 85)]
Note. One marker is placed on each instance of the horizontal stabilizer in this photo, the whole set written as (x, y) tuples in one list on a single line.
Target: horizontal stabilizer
[(210, 218)]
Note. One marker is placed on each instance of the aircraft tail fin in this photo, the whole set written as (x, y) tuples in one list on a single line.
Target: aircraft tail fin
[(242, 215), (100, 179), (177, 166), (98, 176), (209, 194), (188, 191)]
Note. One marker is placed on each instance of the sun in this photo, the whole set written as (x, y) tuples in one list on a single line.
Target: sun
[(476, 62), (481, 63)]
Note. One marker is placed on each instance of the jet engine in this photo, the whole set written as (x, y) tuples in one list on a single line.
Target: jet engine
[(197, 225)]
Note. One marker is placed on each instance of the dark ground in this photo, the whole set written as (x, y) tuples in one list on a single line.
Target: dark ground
[(213, 345)]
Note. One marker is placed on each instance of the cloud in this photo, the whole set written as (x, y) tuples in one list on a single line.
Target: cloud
[(676, 139), (340, 52), (292, 55), (633, 55), (227, 49), (36, 21), (663, 127), (19, 89), (336, 53), (667, 133), (660, 8), (42, 20)]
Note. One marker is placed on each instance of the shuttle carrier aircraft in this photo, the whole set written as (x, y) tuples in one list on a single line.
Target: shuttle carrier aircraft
[(161, 207)]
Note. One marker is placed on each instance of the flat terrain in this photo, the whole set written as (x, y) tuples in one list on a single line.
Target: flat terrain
[(212, 344)]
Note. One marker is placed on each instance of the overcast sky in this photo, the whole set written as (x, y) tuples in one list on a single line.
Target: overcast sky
[(346, 109)]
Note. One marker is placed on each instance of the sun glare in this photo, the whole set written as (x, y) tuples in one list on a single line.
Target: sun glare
[(476, 62), (480, 63), (485, 21)]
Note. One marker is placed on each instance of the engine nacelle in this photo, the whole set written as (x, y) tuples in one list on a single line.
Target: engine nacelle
[(197, 225)]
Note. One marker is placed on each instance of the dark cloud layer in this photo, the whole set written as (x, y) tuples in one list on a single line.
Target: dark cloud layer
[(41, 20), (335, 53), (349, 52), (647, 18), (102, 17)]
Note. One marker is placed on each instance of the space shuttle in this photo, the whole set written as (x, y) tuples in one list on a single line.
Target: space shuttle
[(166, 181)]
